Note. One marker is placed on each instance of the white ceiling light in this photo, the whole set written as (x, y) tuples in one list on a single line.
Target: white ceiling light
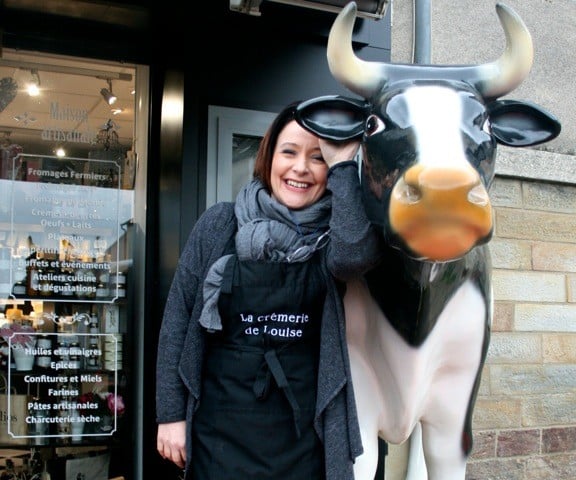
[(108, 95), (60, 152), (33, 86)]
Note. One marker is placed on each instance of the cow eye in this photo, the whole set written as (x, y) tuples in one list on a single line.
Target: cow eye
[(374, 125)]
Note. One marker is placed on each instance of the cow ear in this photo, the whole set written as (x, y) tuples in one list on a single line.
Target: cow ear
[(521, 124), (333, 117)]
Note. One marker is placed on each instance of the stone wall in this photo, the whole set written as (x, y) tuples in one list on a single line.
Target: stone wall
[(468, 32), (525, 417)]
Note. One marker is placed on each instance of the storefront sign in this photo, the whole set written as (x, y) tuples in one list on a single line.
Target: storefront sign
[(61, 229), (64, 397)]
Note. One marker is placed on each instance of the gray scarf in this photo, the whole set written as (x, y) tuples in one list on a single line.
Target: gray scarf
[(267, 231)]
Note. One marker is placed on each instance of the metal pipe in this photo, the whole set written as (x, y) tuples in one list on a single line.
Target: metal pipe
[(421, 49)]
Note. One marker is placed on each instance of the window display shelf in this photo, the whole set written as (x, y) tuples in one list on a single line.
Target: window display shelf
[(61, 376)]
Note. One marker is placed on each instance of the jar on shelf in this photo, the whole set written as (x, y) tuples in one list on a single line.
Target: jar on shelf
[(75, 362), (93, 359), (44, 348), (113, 352), (118, 284), (102, 290)]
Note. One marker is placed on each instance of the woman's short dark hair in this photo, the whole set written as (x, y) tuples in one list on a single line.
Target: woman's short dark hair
[(263, 162)]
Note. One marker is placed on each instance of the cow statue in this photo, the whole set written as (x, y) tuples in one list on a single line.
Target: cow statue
[(418, 325)]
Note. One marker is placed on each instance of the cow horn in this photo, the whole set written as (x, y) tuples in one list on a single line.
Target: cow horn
[(492, 80), (354, 73), (505, 74)]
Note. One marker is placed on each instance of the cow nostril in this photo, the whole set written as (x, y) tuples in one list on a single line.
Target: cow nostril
[(478, 196), (406, 193)]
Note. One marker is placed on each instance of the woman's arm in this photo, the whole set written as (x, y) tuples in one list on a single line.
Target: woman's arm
[(171, 394), (171, 442), (205, 244), (354, 244)]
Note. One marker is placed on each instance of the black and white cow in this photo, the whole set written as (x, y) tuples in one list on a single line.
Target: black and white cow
[(418, 325)]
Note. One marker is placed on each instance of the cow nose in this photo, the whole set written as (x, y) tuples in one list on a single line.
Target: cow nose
[(419, 179), (479, 196), (440, 212), (441, 178)]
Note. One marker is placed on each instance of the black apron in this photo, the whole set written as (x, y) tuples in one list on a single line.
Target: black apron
[(256, 412)]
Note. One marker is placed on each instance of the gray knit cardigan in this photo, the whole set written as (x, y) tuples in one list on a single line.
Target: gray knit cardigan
[(353, 248)]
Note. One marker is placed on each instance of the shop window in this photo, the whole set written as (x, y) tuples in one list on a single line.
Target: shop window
[(67, 174)]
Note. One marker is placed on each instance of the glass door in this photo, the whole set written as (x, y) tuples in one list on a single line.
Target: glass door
[(69, 204), (234, 135)]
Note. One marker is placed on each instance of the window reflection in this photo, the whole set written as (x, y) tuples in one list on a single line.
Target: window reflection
[(244, 149)]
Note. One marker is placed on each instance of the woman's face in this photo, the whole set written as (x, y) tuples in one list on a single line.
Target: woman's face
[(298, 173)]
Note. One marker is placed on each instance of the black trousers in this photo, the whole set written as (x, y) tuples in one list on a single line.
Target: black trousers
[(382, 452)]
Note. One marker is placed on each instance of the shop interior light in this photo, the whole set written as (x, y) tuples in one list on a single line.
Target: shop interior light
[(107, 93), (33, 86)]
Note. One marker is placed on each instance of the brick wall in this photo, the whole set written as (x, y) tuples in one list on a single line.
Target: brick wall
[(525, 415)]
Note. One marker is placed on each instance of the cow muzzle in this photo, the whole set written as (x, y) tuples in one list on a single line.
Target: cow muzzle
[(440, 213)]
